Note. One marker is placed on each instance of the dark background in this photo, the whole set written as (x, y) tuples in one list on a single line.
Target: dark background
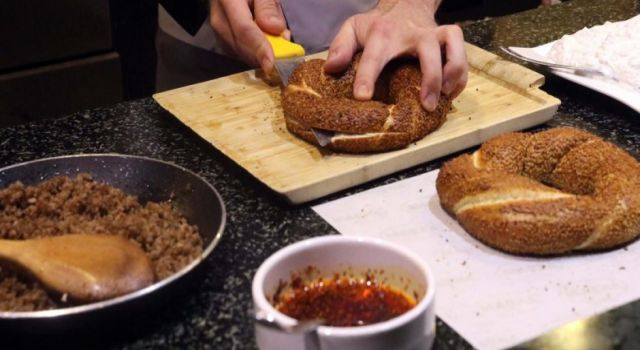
[(58, 57)]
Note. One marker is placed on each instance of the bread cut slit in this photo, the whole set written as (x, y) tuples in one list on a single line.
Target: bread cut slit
[(503, 198)]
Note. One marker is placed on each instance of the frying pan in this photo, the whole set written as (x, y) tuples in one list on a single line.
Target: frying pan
[(148, 179)]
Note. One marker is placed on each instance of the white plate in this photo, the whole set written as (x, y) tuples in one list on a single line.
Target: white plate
[(612, 89)]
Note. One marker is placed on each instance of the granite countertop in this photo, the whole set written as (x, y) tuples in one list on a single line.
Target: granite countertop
[(212, 310)]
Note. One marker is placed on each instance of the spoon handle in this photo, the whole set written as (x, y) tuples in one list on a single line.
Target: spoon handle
[(305, 326), (585, 71), (87, 267), (10, 250)]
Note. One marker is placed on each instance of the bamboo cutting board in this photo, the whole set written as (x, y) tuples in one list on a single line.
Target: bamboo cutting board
[(241, 116)]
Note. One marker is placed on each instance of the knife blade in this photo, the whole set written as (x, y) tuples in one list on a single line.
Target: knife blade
[(288, 56), (322, 136), (285, 67)]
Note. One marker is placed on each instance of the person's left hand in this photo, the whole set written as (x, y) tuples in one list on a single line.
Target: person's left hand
[(402, 27)]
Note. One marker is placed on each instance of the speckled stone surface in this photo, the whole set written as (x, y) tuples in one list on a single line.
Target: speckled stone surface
[(211, 313)]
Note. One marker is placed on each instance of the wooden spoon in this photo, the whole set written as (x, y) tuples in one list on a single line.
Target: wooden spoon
[(86, 267)]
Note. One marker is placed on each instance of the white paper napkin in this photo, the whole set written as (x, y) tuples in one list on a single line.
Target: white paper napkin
[(494, 300)]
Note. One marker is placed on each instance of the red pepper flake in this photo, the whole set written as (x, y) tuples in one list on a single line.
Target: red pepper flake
[(344, 302)]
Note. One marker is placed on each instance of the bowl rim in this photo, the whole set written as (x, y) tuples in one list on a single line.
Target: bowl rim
[(380, 327), (85, 308)]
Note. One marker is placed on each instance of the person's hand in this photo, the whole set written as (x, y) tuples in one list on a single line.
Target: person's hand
[(397, 28), (241, 35)]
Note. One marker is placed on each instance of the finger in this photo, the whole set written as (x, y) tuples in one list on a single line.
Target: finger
[(221, 27), (374, 57), (269, 17), (459, 87), (286, 34), (251, 44), (454, 72), (431, 67), (342, 49)]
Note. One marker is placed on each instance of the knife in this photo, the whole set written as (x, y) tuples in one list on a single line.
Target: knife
[(288, 56)]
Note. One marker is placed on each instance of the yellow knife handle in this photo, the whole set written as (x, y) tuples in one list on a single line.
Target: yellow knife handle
[(283, 48)]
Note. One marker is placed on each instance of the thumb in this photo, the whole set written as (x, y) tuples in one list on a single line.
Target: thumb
[(269, 17)]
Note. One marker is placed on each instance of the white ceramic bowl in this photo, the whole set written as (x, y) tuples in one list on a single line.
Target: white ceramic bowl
[(415, 329)]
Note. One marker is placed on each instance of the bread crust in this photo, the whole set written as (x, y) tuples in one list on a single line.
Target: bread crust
[(552, 192), (393, 119)]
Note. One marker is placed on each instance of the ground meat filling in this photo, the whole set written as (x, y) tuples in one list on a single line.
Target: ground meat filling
[(64, 205)]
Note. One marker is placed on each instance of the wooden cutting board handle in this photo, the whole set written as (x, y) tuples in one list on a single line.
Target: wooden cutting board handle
[(509, 72)]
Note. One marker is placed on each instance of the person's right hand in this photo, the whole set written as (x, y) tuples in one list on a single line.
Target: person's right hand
[(241, 35), (396, 28)]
